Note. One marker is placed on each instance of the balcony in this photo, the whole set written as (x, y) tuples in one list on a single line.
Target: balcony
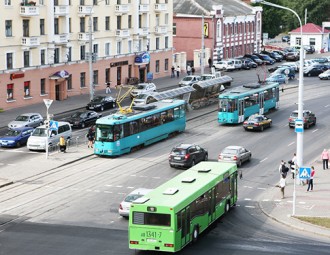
[(28, 11), (61, 10), (84, 36), (160, 7), (144, 8), (85, 10), (33, 41), (61, 39), (122, 32), (122, 8), (160, 30), (144, 31)]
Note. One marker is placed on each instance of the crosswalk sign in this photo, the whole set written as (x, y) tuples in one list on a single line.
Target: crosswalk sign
[(304, 172), (53, 125)]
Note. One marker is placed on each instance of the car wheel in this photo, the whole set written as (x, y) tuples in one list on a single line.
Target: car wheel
[(309, 74), (192, 163), (40, 124), (262, 128), (307, 125), (315, 122), (270, 124), (83, 125), (102, 108), (249, 158), (239, 163), (172, 166), (18, 144), (206, 157)]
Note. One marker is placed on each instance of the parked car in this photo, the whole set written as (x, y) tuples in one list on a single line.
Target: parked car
[(278, 77), (286, 38), (273, 55), (254, 58), (143, 88), (100, 103), (286, 70), (266, 59), (187, 155), (309, 118), (237, 63), (227, 65), (189, 80), (249, 62), (257, 122), (246, 64), (320, 60), (312, 71), (292, 56), (309, 49), (325, 75), (27, 120), (280, 52), (143, 99), (125, 205), (235, 154), (16, 137), (82, 119)]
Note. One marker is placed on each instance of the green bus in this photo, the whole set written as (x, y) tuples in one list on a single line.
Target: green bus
[(175, 213)]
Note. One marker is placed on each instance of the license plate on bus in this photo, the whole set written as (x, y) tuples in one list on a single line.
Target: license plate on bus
[(149, 240)]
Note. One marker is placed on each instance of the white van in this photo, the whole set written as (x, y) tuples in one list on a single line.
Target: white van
[(37, 141)]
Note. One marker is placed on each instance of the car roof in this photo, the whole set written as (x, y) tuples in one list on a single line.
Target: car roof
[(142, 191), (184, 145), (233, 147)]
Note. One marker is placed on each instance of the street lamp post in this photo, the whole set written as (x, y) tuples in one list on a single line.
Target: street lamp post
[(300, 135), (90, 58)]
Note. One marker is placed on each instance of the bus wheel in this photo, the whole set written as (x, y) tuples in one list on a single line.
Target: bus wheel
[(227, 207), (195, 234)]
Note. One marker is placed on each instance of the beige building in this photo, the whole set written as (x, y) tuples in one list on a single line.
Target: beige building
[(45, 45)]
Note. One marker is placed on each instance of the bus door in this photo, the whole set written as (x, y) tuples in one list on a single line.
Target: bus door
[(261, 103), (211, 205), (233, 190), (240, 111), (185, 233)]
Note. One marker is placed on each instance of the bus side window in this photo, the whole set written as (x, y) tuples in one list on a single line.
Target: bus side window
[(176, 113)]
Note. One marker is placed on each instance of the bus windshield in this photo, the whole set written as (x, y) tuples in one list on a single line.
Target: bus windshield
[(104, 133), (227, 105), (154, 219)]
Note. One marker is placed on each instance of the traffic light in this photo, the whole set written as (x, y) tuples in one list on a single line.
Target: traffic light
[(46, 123)]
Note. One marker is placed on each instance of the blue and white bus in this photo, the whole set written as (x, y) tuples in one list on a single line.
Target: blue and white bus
[(118, 133), (241, 102)]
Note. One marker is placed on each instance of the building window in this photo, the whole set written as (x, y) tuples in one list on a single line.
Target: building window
[(119, 47), (157, 66), (157, 19), (69, 54), (43, 86), (95, 49), (107, 23), (9, 58), (166, 42), (56, 55), (118, 22), (130, 50), (82, 52), (10, 91), (166, 19), (107, 49), (95, 2), (129, 71), (96, 77), (166, 64), (56, 26), (95, 24), (41, 2), (27, 89), (42, 57), (56, 2), (26, 32), (9, 28), (298, 41), (140, 45), (26, 58), (107, 75), (107, 2), (70, 29), (69, 82), (42, 26), (7, 2), (140, 21), (82, 25), (312, 41), (157, 43), (82, 2), (174, 28), (83, 80), (129, 21)]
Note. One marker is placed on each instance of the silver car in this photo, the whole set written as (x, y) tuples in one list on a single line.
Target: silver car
[(189, 80), (27, 120), (126, 203), (235, 154)]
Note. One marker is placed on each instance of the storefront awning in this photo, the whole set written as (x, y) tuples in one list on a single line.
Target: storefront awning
[(59, 75)]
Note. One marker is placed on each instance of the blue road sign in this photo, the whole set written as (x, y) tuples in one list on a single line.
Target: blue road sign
[(299, 126), (53, 125), (304, 172)]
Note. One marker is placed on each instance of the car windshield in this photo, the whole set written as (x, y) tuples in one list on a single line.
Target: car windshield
[(141, 87), (42, 132), (76, 115), (187, 78), (206, 77), (179, 151), (294, 114), (97, 99), (13, 133), (22, 118), (230, 151), (132, 197)]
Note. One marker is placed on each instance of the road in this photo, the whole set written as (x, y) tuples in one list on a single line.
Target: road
[(73, 209)]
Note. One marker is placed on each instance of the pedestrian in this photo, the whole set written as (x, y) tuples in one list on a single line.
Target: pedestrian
[(188, 70), (293, 165), (91, 137), (172, 72), (311, 180), (283, 169), (178, 70), (210, 62), (325, 158), (192, 70), (282, 185), (108, 89), (62, 144)]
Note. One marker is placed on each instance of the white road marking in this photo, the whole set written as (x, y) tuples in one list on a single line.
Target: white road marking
[(96, 190), (302, 203), (106, 191), (265, 200), (121, 193), (249, 187), (314, 130), (263, 160), (119, 186), (133, 175), (130, 187), (156, 177), (1, 164), (88, 190), (291, 143), (247, 199), (250, 206), (108, 185), (73, 189), (327, 105), (111, 222), (143, 176)]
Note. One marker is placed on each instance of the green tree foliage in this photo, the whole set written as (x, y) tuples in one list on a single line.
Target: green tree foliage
[(276, 21)]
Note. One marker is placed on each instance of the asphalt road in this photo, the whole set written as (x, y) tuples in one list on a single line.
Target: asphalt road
[(73, 210)]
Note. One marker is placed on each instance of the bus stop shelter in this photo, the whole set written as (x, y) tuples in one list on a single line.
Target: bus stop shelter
[(180, 93)]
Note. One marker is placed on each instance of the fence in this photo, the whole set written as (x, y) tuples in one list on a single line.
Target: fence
[(73, 144)]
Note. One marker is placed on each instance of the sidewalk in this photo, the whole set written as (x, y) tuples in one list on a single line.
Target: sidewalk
[(310, 204)]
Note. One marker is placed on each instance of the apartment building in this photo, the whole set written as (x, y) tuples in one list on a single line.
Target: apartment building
[(45, 46)]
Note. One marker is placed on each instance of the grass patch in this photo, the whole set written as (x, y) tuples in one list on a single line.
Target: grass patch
[(324, 222)]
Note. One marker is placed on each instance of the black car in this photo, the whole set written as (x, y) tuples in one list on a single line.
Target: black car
[(313, 71), (286, 38), (273, 55), (309, 49), (266, 59), (83, 119), (100, 103), (254, 58), (187, 155), (249, 62)]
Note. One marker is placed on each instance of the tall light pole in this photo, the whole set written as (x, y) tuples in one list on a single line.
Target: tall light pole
[(300, 135), (90, 58)]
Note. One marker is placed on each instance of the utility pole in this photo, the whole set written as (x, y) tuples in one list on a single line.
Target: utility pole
[(203, 47), (90, 57)]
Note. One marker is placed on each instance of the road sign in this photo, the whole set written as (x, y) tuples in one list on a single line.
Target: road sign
[(299, 126), (304, 173), (48, 102), (53, 125)]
